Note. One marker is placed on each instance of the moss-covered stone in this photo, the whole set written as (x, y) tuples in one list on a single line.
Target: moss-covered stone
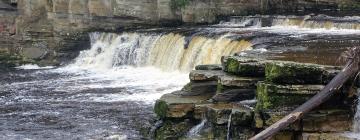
[(161, 108), (171, 130), (293, 73), (243, 66), (272, 96)]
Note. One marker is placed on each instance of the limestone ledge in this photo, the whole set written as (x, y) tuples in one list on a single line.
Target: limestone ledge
[(214, 94)]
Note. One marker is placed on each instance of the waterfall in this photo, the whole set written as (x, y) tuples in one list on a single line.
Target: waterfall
[(308, 22), (195, 131), (228, 135), (165, 51)]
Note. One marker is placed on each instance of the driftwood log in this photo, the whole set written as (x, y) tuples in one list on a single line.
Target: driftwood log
[(352, 59)]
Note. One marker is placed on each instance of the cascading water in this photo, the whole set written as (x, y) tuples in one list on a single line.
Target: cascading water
[(165, 51), (196, 130), (228, 135)]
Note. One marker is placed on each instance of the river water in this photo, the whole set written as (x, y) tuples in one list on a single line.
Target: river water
[(108, 91)]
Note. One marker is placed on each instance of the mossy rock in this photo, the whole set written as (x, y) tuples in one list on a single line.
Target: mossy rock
[(171, 130), (242, 66), (293, 73), (269, 97)]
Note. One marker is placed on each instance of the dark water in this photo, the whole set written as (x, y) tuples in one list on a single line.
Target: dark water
[(57, 104)]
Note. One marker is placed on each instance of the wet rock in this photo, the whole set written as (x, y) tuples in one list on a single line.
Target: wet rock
[(283, 136), (243, 66), (270, 117), (323, 136), (205, 75), (219, 114), (293, 73), (208, 67), (173, 130), (238, 82), (175, 105), (272, 96), (200, 88), (334, 120), (200, 111), (234, 95)]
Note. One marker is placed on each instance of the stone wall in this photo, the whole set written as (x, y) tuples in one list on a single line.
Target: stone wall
[(57, 29)]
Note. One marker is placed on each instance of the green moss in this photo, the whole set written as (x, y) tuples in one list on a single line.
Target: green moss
[(172, 130), (269, 99), (219, 88), (293, 73), (187, 87), (178, 4), (232, 66), (161, 108)]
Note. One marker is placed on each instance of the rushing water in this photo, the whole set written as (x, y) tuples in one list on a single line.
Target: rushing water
[(109, 90)]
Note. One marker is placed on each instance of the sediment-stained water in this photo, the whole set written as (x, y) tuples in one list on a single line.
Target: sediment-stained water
[(108, 91)]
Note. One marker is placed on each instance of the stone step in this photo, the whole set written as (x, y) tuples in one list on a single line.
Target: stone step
[(175, 105), (205, 75), (327, 120), (238, 82), (200, 88), (233, 95), (283, 72), (208, 67), (243, 66), (273, 96)]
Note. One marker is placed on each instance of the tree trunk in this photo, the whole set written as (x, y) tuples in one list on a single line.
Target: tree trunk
[(348, 72)]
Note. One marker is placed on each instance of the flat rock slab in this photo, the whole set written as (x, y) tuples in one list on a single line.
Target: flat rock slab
[(233, 95), (325, 136), (244, 66), (220, 114), (283, 72), (271, 96), (175, 105), (327, 120), (200, 88), (334, 120), (205, 75), (208, 67), (238, 82)]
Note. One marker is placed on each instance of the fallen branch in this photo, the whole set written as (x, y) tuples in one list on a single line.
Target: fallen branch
[(352, 57)]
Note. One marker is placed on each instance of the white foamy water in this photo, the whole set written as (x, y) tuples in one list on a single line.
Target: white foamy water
[(33, 67)]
